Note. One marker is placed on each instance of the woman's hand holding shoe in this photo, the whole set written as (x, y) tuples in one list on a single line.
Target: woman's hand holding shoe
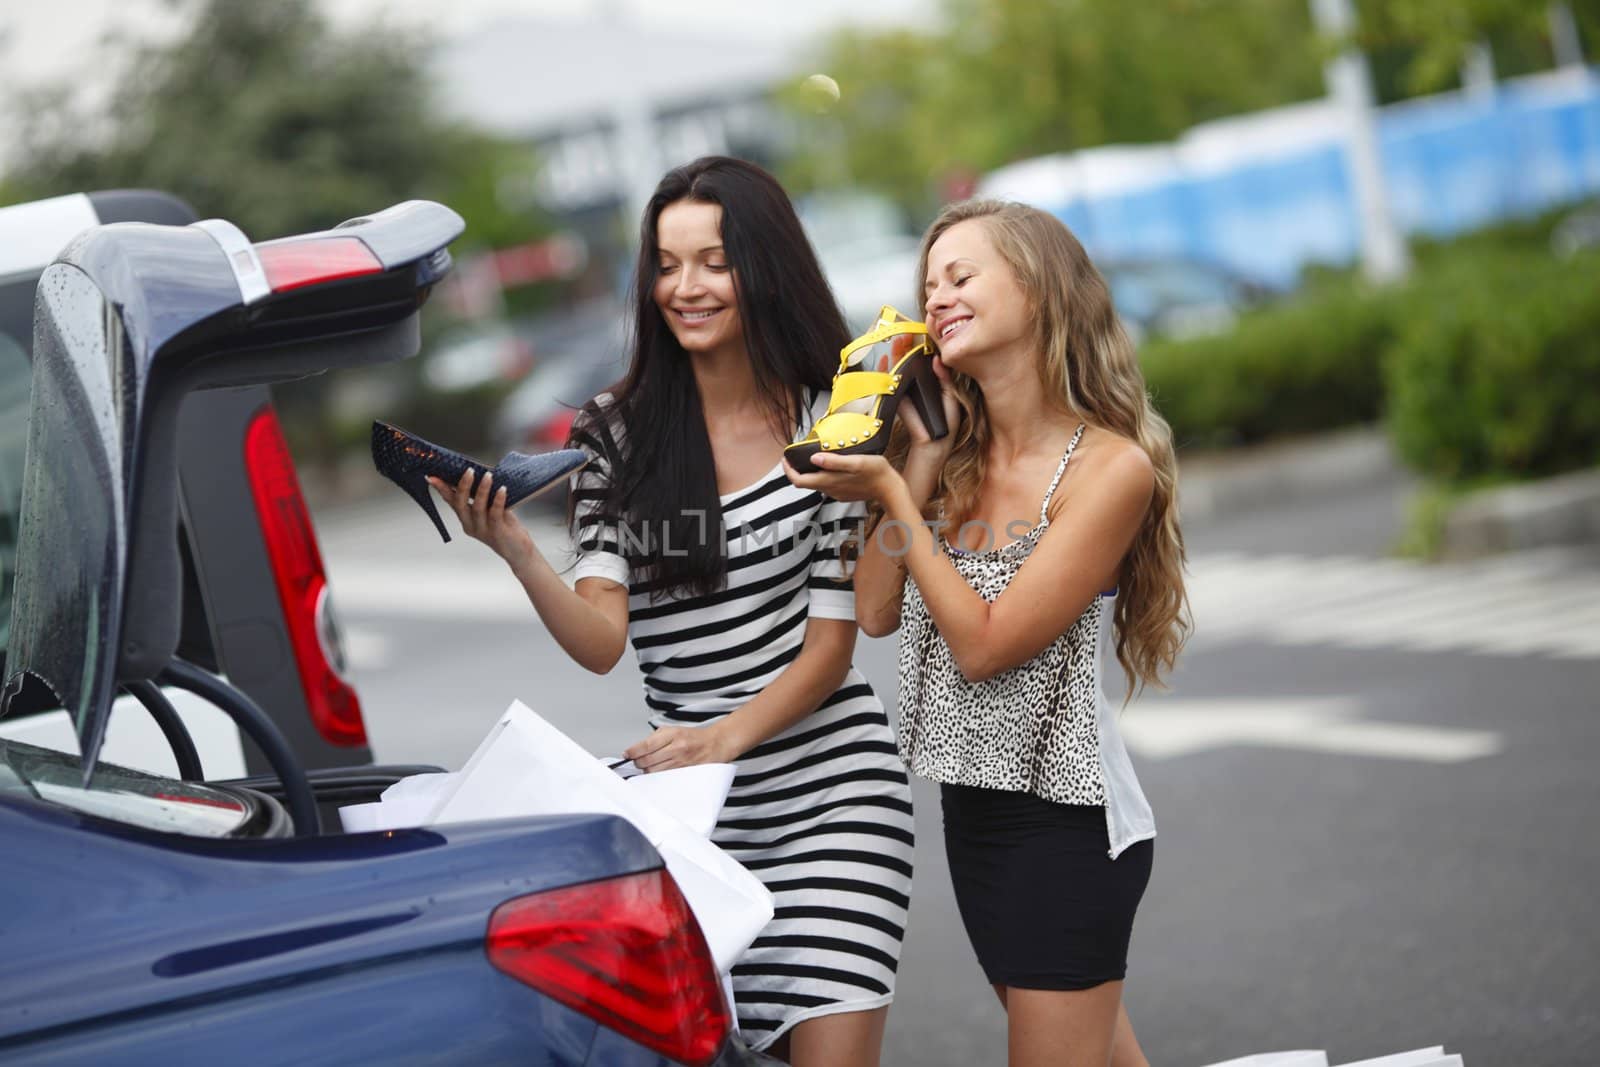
[(921, 440), (847, 477), (484, 515), (927, 455), (870, 477)]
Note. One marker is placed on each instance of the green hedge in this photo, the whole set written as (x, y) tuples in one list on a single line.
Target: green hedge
[(1311, 364), (1496, 374), (1485, 365)]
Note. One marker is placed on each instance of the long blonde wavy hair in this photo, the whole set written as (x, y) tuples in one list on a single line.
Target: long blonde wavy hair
[(1087, 362)]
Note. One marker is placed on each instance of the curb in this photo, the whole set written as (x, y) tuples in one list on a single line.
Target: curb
[(1564, 510), (1229, 482)]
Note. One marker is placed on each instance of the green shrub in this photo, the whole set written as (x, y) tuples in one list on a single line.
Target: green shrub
[(1496, 372), (1310, 364)]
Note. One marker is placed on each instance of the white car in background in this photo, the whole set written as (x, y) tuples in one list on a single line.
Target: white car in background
[(868, 253)]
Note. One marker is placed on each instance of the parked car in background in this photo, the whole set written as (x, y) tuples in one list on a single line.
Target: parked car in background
[(477, 354), (581, 352), (177, 918), (1576, 231), (867, 274), (1180, 298), (1156, 298), (868, 253)]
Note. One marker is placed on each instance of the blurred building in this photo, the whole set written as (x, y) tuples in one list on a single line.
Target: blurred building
[(1268, 193), (608, 105)]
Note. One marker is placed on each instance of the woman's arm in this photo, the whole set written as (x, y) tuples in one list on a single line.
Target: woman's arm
[(880, 570), (796, 692), (1078, 556), (589, 622)]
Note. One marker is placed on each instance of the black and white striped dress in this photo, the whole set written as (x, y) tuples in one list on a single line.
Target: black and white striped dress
[(821, 813)]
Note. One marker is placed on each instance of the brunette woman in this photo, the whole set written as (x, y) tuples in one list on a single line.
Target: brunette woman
[(728, 582)]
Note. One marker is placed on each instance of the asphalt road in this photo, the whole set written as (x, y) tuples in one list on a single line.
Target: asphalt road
[(1372, 782)]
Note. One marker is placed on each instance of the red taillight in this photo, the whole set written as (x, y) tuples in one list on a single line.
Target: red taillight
[(302, 584), (556, 430), (294, 263), (626, 952)]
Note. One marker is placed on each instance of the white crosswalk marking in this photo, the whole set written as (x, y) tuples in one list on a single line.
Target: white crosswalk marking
[(1537, 603), (1168, 727)]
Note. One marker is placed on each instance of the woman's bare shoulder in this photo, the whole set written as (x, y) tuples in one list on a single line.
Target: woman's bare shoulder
[(1107, 463)]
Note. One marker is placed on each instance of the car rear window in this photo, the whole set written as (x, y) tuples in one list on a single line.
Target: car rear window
[(120, 794), (16, 331)]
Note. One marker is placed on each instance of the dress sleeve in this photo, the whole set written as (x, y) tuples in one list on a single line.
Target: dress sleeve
[(831, 584), (598, 531)]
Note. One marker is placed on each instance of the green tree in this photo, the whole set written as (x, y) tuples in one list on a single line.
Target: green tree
[(1004, 80), (1426, 41), (263, 114)]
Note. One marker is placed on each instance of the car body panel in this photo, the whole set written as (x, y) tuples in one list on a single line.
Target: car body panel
[(65, 615), (469, 1014), (268, 921), (233, 572), (94, 340)]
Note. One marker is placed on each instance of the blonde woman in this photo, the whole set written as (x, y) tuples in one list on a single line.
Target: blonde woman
[(1014, 555)]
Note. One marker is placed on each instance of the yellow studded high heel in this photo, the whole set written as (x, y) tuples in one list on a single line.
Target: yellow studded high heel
[(862, 408)]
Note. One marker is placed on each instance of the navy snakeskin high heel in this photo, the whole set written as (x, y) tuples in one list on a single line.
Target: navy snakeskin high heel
[(408, 461)]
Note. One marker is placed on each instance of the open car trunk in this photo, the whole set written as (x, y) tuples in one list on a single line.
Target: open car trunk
[(334, 787), (129, 320)]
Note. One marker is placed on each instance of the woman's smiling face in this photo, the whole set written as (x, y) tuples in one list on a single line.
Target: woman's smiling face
[(694, 282), (973, 303)]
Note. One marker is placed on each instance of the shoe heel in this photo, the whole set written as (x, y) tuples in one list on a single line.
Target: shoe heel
[(925, 394), (405, 459), (417, 487)]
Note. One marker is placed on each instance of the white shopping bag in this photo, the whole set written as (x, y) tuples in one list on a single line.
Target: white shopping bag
[(1298, 1058), (1422, 1057), (525, 766), (363, 818), (1425, 1057), (692, 795), (406, 803)]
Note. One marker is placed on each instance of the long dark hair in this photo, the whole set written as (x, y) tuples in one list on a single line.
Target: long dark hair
[(663, 481)]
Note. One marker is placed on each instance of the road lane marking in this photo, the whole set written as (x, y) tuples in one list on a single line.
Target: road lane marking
[(366, 649), (1538, 603), (1166, 728)]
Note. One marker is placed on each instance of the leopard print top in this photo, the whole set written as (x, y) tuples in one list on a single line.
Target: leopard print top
[(1033, 728)]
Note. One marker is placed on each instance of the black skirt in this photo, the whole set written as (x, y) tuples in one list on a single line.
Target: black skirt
[(1043, 903)]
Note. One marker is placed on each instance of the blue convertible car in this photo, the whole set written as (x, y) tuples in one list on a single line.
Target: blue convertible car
[(152, 918)]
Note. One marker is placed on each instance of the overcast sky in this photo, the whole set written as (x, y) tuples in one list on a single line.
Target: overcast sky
[(45, 38), (52, 40)]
